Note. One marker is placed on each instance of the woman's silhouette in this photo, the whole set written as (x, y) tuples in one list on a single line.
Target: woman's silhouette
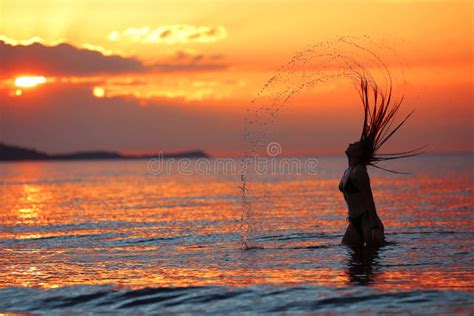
[(365, 226)]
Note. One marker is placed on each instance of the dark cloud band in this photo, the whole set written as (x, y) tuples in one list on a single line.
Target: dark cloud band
[(68, 60), (63, 59)]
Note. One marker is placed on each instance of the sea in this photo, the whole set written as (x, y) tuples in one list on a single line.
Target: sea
[(121, 237)]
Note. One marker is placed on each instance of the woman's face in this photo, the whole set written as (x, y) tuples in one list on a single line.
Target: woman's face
[(354, 151)]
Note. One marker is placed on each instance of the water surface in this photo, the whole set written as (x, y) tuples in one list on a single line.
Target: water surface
[(108, 236)]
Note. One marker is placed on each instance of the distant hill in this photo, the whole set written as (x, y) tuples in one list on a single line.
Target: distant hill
[(8, 152), (15, 153), (88, 155)]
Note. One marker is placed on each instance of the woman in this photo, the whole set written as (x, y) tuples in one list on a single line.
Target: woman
[(365, 226)]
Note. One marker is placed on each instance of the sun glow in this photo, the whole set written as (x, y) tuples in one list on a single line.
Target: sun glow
[(99, 92), (29, 81)]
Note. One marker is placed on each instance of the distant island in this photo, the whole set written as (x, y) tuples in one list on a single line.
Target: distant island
[(15, 153)]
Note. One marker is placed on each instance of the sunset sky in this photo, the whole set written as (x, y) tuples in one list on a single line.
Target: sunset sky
[(140, 76)]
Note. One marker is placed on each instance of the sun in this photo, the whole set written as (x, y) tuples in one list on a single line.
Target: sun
[(99, 92), (29, 81)]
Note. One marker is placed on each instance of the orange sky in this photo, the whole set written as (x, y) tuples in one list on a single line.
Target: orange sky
[(187, 71)]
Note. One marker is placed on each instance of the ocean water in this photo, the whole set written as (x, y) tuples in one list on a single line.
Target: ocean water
[(111, 237)]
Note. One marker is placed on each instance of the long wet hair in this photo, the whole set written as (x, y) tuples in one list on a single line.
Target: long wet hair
[(380, 112)]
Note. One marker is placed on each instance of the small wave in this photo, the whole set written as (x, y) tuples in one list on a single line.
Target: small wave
[(297, 236), (448, 232), (306, 247), (217, 299)]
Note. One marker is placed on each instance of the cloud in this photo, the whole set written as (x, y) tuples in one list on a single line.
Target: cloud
[(190, 60), (37, 39), (171, 34), (63, 59), (67, 60), (190, 67)]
